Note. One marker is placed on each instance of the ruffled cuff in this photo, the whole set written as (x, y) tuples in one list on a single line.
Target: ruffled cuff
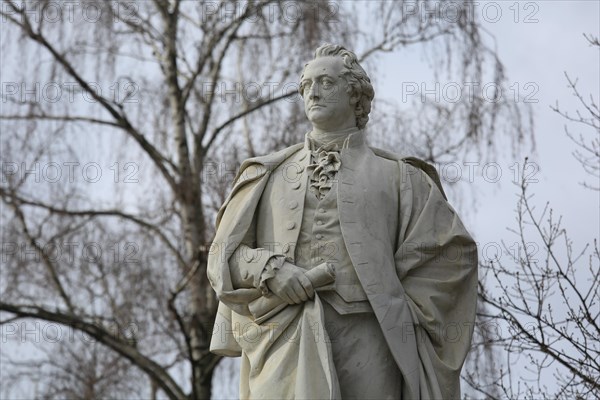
[(274, 263)]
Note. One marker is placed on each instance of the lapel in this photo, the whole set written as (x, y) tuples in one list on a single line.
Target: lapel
[(364, 221), (351, 200)]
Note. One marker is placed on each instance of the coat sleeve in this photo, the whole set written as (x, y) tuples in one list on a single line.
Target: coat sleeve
[(436, 261), (232, 286), (248, 261)]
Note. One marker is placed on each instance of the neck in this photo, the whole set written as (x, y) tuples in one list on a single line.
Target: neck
[(349, 123), (327, 137), (316, 133)]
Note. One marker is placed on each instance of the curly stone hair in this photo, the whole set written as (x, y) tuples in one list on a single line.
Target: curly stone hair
[(356, 77)]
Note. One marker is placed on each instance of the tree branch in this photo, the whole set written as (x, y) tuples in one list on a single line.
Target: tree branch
[(243, 114), (119, 116), (151, 368), (95, 213)]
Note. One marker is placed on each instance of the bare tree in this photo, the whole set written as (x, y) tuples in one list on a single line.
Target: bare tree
[(545, 306), (85, 369), (541, 310), (169, 96)]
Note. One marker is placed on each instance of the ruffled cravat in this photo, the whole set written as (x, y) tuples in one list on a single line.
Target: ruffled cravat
[(323, 170), (325, 160)]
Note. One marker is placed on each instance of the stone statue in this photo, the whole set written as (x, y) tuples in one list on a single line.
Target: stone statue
[(341, 269)]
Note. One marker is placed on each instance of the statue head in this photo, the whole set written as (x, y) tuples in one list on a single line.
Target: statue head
[(335, 80)]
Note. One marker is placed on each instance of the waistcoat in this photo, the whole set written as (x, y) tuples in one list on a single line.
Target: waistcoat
[(321, 241)]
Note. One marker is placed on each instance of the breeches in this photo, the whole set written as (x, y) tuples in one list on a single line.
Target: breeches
[(365, 367)]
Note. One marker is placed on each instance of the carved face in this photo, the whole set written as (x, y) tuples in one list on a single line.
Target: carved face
[(327, 103)]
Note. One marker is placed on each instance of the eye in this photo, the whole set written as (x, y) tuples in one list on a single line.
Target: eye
[(327, 83)]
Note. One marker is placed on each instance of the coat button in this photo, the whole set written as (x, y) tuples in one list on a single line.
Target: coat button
[(319, 222), (291, 225), (296, 185), (286, 247), (321, 210), (319, 236), (293, 204)]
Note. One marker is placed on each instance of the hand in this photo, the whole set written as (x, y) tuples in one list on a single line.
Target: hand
[(290, 284)]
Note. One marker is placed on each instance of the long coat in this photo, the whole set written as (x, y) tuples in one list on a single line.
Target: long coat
[(415, 260)]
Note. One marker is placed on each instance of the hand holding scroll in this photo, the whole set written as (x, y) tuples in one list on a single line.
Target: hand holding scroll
[(264, 308)]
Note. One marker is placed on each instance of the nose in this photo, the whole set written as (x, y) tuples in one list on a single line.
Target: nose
[(314, 92)]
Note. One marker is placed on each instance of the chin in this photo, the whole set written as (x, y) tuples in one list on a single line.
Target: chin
[(317, 117)]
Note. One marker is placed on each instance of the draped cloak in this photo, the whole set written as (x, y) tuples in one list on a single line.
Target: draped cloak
[(414, 258)]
